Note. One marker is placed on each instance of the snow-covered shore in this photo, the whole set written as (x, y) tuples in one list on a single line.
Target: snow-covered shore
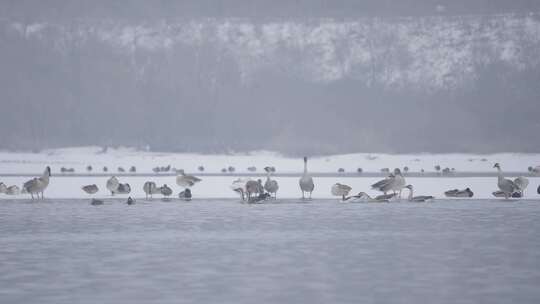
[(66, 186), (80, 158)]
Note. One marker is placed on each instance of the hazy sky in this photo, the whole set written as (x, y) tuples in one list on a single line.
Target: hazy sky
[(294, 76)]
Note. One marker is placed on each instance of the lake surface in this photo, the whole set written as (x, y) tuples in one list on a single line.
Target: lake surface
[(221, 251)]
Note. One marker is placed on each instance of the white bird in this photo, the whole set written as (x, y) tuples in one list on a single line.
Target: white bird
[(186, 180), (239, 186), (3, 188), (113, 184), (420, 198), (90, 189), (340, 190), (150, 188), (271, 185), (39, 184), (521, 182), (507, 186), (306, 181), (13, 190), (394, 182)]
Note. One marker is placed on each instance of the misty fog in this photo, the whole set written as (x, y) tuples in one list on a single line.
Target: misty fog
[(296, 77)]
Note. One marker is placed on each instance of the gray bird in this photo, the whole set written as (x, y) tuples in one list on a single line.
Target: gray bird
[(90, 189), (270, 185), (420, 198), (39, 184)]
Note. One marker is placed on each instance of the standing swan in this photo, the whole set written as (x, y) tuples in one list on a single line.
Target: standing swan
[(150, 188), (507, 186), (306, 181), (271, 185), (39, 184)]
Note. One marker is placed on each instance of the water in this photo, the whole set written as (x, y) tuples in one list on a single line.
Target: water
[(220, 251)]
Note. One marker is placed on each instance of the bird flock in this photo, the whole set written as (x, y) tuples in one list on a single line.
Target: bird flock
[(254, 191)]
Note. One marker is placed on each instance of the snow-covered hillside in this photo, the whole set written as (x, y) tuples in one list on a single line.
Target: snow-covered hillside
[(427, 52)]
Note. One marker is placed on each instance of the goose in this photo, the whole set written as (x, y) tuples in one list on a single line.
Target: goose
[(459, 193), (185, 195), (13, 190), (90, 189), (132, 169), (89, 168), (166, 191), (271, 185), (123, 188), (340, 190), (538, 190), (382, 184), (96, 202), (521, 182), (130, 201), (150, 188), (113, 184), (365, 197), (39, 184), (505, 185), (394, 182), (306, 181), (254, 187), (186, 180), (420, 198), (3, 188)]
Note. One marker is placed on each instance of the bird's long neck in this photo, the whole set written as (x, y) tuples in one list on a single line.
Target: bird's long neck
[(499, 173), (305, 167), (45, 176)]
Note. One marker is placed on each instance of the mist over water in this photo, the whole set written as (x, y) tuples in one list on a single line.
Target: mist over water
[(338, 77)]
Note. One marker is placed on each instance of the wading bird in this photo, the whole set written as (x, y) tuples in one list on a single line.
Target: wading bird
[(306, 181)]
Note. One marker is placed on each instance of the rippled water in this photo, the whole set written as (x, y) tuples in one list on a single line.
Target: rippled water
[(220, 251)]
